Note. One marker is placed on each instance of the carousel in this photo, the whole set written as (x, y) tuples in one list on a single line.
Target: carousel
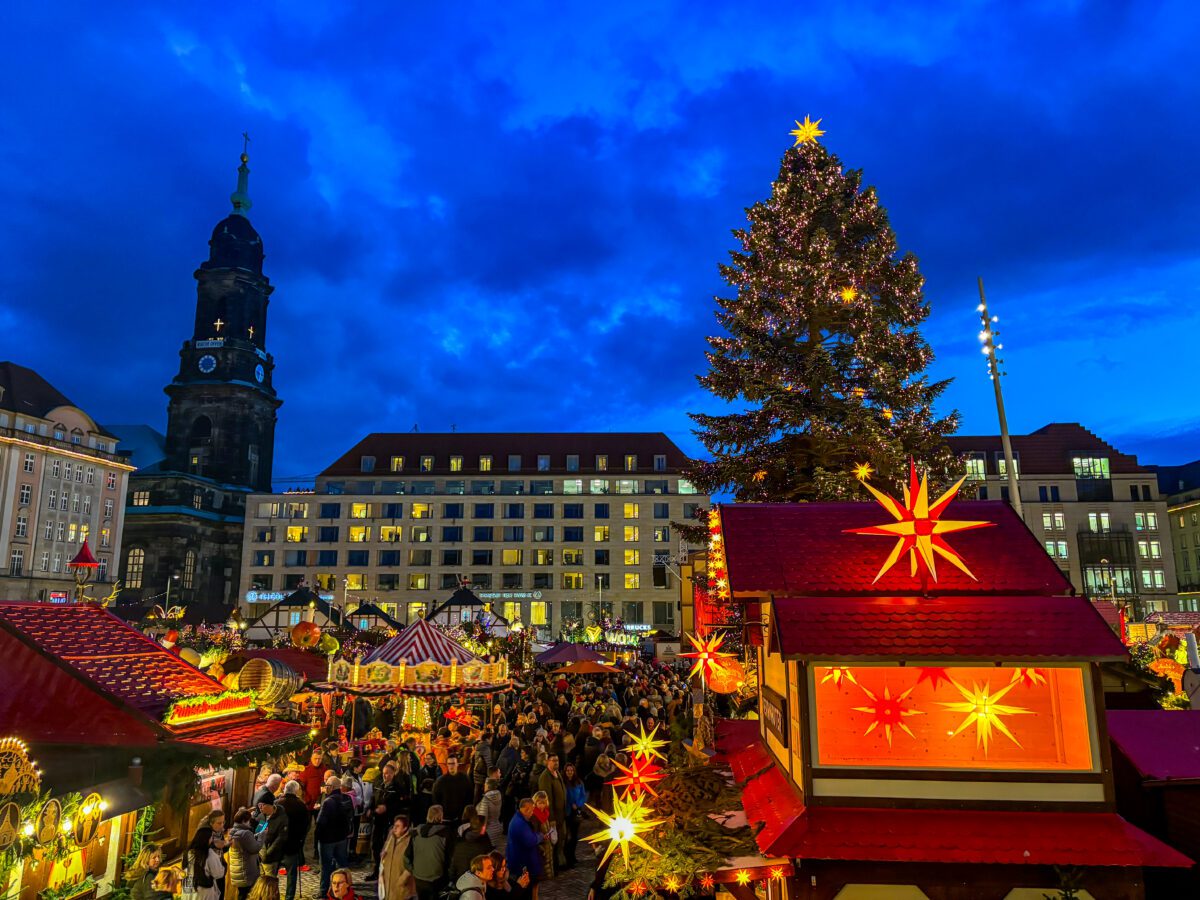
[(422, 663)]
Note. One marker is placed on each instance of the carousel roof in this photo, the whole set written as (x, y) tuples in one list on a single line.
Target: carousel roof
[(421, 642)]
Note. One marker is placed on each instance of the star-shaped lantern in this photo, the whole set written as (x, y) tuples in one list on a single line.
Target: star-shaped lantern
[(672, 883), (806, 131), (707, 881), (639, 777), (984, 709), (706, 654), (838, 674), (742, 876), (644, 746), (889, 712), (863, 471), (624, 826), (919, 527), (848, 294), (1029, 677)]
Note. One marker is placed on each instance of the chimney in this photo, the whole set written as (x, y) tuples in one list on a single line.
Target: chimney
[(135, 771)]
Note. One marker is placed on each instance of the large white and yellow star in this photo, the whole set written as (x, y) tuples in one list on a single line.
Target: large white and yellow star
[(918, 528), (983, 710), (623, 827)]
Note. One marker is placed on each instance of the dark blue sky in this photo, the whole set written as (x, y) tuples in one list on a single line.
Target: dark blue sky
[(498, 218)]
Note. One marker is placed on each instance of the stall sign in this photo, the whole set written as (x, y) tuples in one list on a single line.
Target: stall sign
[(191, 710), (774, 714)]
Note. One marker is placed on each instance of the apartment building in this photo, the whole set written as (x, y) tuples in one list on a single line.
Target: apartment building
[(546, 527), (61, 483), (1098, 512), (1181, 487)]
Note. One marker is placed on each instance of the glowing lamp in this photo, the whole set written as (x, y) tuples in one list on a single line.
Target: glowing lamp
[(624, 826), (27, 829), (644, 745), (742, 876)]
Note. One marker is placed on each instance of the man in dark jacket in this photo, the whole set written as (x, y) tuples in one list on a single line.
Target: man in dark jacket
[(275, 835), (333, 831), (391, 799), (298, 820), (453, 791), (551, 781), (480, 763)]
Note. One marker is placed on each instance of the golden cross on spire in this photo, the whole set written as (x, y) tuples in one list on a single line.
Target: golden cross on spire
[(245, 143), (251, 332), (217, 324)]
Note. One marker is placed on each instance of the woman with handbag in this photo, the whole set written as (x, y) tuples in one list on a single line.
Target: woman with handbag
[(204, 867)]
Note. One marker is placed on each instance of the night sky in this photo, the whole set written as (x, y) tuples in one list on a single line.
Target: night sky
[(496, 218)]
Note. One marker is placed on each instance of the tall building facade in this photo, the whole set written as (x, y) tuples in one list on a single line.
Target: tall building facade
[(1181, 487), (1097, 511), (61, 483), (546, 527), (186, 511)]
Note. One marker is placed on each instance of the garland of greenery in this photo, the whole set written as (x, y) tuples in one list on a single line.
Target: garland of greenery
[(22, 849), (69, 890)]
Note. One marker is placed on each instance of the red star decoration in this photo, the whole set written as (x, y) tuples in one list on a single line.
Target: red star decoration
[(639, 777), (919, 527), (707, 654), (889, 712), (935, 676)]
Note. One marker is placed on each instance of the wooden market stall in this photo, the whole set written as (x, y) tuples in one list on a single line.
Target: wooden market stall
[(118, 723), (931, 716)]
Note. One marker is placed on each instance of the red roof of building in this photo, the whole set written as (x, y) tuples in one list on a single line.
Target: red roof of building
[(76, 673), (803, 549), (1189, 619), (1048, 450), (773, 802), (1109, 613), (1163, 745), (977, 628), (971, 836)]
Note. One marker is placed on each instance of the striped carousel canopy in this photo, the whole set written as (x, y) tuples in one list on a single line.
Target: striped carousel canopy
[(418, 643)]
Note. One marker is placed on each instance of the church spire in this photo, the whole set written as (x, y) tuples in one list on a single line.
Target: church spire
[(241, 197)]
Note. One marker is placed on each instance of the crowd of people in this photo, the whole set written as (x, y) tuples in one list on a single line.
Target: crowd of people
[(474, 811)]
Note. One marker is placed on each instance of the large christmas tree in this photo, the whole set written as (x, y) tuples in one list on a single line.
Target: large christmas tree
[(822, 345)]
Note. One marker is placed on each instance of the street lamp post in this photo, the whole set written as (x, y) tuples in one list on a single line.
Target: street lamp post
[(83, 566), (988, 336)]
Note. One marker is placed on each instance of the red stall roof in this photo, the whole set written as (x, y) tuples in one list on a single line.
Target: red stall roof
[(76, 673), (803, 549), (1163, 745), (981, 628), (970, 836)]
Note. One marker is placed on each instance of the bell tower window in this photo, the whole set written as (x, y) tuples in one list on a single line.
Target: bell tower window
[(200, 445)]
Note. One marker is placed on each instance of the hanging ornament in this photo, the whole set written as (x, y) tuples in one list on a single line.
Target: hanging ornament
[(306, 635), (726, 676), (644, 746), (983, 710), (623, 827), (707, 652), (918, 528), (863, 471), (639, 777)]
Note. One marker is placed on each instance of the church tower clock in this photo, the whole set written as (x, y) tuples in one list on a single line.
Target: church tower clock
[(221, 413)]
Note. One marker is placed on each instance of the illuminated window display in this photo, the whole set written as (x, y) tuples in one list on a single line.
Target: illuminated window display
[(986, 717)]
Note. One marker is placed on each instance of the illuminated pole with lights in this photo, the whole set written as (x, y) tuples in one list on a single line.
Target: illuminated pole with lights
[(988, 336)]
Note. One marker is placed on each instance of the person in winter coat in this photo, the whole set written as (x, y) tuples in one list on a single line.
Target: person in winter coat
[(298, 821), (141, 875), (472, 885), (203, 865), (502, 887), (492, 807), (552, 785), (396, 880), (454, 790), (391, 800), (470, 840), (480, 763), (523, 853), (244, 846), (577, 796), (429, 855), (543, 823), (312, 778), (425, 777), (333, 830)]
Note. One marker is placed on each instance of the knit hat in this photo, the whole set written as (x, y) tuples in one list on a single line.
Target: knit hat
[(266, 797)]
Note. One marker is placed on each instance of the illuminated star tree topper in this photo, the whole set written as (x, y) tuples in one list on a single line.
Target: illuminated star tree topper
[(919, 526), (806, 131)]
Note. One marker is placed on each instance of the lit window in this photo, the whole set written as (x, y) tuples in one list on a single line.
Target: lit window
[(572, 485), (662, 533), (538, 612), (1057, 549), (1053, 521), (633, 557), (421, 510), (418, 581), (141, 498), (71, 531), (1002, 464), (630, 462), (632, 533), (105, 537), (572, 581), (415, 610), (600, 534), (631, 510), (426, 463), (627, 486), (602, 463), (572, 556), (397, 464), (511, 557), (686, 487), (1154, 579), (633, 581), (511, 610), (197, 500), (485, 464), (359, 534), (599, 486), (456, 463), (543, 557), (391, 534), (297, 534), (360, 510), (135, 562), (1090, 466), (1098, 522), (1146, 521), (976, 466), (189, 569), (1149, 549)]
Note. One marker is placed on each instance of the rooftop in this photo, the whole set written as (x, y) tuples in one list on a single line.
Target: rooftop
[(500, 445), (24, 392), (987, 628), (1163, 745), (803, 549), (1048, 450)]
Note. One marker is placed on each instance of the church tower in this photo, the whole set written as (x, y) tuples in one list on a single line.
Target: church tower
[(221, 414)]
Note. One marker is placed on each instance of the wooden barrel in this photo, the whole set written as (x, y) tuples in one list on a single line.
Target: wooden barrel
[(272, 681)]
